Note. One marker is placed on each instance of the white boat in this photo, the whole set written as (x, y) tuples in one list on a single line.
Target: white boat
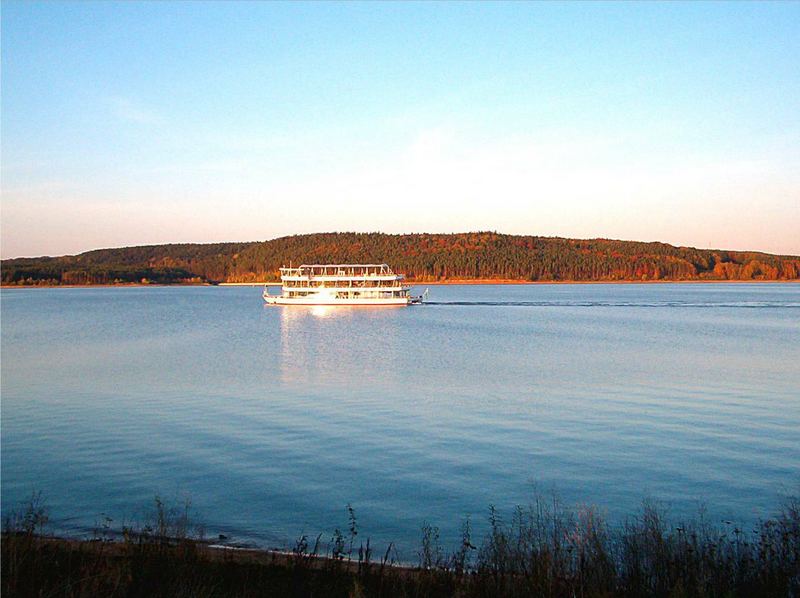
[(342, 284)]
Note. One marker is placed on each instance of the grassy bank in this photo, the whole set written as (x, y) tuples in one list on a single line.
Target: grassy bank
[(542, 549)]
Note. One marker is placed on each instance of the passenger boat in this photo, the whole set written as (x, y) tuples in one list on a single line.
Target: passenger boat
[(342, 284)]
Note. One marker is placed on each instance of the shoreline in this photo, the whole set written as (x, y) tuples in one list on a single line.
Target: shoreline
[(574, 550), (213, 549), (455, 282)]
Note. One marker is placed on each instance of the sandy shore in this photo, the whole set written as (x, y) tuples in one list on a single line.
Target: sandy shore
[(222, 552)]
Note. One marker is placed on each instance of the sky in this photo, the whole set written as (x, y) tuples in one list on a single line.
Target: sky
[(128, 123)]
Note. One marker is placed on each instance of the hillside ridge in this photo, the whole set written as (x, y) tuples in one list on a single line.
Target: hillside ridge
[(423, 257)]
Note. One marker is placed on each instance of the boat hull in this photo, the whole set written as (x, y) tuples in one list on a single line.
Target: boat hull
[(278, 300)]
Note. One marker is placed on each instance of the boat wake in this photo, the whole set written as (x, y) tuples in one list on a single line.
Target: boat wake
[(682, 304)]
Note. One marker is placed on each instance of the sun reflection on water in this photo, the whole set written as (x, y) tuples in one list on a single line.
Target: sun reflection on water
[(334, 344), (322, 311)]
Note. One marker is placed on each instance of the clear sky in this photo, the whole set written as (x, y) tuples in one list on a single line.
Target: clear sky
[(135, 123)]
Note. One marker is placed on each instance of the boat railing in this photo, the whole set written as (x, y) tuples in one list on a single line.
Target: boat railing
[(361, 270)]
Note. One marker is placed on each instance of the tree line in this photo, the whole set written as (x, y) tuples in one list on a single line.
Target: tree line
[(421, 257)]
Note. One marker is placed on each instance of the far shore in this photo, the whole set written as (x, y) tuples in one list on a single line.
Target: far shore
[(474, 281), (469, 281)]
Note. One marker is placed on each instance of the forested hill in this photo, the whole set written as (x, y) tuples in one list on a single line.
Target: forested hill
[(422, 257)]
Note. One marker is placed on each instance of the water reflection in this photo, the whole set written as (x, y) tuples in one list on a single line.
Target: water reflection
[(323, 311), (339, 345)]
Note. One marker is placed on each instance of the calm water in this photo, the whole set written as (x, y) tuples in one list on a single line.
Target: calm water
[(273, 419)]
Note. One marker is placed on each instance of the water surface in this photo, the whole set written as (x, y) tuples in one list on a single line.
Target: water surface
[(273, 419)]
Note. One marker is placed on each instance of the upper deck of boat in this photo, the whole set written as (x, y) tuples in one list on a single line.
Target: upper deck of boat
[(340, 272)]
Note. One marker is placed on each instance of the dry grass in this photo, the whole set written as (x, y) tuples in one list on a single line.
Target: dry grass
[(543, 549)]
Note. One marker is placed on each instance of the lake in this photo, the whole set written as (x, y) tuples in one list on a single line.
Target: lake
[(273, 419)]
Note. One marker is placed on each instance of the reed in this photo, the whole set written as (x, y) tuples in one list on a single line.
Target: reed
[(541, 549)]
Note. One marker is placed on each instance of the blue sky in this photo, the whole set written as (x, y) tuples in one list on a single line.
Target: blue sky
[(135, 123)]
